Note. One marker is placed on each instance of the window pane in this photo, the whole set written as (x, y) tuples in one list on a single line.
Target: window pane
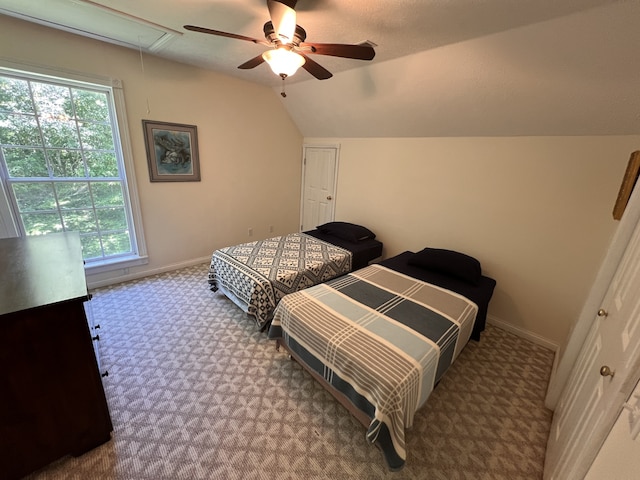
[(116, 243), (14, 95), (73, 195), (34, 196), (53, 102), (66, 163), (90, 105), (102, 164), (19, 130), (41, 223), (112, 219), (26, 162), (96, 136), (107, 194), (83, 221), (91, 246), (61, 134)]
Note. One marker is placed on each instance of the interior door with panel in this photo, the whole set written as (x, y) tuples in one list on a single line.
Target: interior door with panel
[(319, 173), (618, 458), (602, 377)]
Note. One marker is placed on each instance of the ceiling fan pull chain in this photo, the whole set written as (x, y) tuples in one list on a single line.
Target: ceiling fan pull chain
[(143, 72), (284, 95)]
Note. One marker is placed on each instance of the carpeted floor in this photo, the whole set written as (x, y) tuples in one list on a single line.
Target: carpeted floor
[(197, 392)]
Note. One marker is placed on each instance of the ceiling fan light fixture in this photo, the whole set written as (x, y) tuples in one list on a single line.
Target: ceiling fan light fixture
[(283, 61)]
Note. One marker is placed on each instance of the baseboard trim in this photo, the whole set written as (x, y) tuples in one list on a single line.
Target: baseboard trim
[(145, 273), (520, 332)]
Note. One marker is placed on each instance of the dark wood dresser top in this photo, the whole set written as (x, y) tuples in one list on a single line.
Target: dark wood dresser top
[(40, 270)]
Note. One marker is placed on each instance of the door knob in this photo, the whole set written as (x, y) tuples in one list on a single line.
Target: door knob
[(328, 197), (605, 371), (602, 312)]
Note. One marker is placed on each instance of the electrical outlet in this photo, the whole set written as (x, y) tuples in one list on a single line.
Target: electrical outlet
[(250, 232)]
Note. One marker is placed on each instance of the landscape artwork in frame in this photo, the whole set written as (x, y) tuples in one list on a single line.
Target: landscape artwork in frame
[(172, 151)]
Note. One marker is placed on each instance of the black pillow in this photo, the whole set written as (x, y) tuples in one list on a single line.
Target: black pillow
[(448, 262), (347, 231)]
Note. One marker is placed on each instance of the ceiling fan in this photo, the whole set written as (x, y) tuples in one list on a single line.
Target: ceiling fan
[(288, 47)]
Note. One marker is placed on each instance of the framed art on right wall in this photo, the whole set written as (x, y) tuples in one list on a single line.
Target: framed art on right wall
[(628, 182)]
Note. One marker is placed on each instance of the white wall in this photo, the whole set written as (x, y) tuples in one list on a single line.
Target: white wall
[(250, 150), (536, 211)]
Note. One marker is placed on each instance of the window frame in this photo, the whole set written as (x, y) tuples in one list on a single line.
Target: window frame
[(8, 221)]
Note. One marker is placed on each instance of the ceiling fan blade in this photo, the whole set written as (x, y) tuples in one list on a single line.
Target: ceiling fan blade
[(316, 69), (283, 18), (193, 28), (253, 63), (358, 52)]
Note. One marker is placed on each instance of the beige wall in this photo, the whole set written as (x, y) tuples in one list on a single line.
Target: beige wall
[(536, 211), (250, 150)]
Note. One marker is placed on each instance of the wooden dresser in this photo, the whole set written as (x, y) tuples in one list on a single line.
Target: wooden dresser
[(52, 401)]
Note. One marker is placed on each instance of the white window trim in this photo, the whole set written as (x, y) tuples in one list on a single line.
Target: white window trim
[(11, 66)]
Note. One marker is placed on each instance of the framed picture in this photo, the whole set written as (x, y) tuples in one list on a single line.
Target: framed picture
[(172, 151), (628, 182)]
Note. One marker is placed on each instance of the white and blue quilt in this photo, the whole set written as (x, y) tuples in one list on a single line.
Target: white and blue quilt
[(380, 337)]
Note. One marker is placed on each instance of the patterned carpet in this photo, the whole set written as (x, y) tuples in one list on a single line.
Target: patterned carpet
[(197, 392)]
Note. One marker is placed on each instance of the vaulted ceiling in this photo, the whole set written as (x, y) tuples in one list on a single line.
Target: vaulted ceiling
[(442, 67)]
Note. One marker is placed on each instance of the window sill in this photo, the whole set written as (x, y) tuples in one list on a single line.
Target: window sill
[(115, 264)]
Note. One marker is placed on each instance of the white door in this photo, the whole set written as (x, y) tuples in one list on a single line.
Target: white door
[(602, 377), (319, 174), (618, 459)]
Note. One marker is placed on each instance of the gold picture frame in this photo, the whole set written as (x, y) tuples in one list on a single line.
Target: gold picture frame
[(172, 151), (628, 182)]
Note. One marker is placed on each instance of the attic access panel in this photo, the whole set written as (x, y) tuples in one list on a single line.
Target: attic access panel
[(91, 19)]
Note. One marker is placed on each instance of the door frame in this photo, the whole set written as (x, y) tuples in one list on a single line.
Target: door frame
[(304, 171)]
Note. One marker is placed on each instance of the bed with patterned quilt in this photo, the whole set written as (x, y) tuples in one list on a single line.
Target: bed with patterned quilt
[(256, 275), (380, 339)]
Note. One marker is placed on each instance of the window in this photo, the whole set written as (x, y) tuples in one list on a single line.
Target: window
[(62, 165)]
